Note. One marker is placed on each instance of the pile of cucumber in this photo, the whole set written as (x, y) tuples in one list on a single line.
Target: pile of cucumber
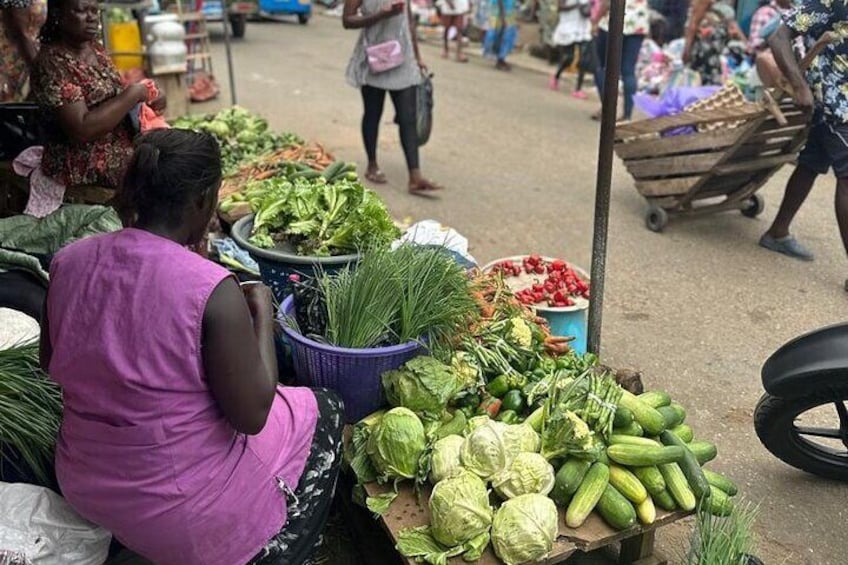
[(652, 460)]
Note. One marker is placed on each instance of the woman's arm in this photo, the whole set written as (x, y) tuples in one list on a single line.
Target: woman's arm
[(699, 12), (601, 13), (238, 353), (352, 19), (84, 125)]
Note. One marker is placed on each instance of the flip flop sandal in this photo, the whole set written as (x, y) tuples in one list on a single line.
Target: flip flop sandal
[(377, 177), (426, 191), (462, 59)]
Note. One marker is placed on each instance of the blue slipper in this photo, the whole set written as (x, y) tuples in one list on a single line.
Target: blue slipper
[(788, 246)]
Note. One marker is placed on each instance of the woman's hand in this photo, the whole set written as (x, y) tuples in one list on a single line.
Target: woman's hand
[(137, 92), (393, 9)]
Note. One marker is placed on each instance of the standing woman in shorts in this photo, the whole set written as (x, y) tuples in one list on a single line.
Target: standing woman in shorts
[(453, 14), (383, 21)]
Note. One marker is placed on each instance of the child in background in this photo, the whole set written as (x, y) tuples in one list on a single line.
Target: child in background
[(453, 14), (574, 32)]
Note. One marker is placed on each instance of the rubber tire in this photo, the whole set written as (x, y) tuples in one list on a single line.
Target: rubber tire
[(23, 292), (656, 219), (754, 206), (774, 418), (303, 19), (238, 24)]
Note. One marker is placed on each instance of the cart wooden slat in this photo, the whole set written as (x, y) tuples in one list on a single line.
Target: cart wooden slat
[(406, 512)]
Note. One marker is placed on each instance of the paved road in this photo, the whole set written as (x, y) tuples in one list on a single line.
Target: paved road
[(697, 309)]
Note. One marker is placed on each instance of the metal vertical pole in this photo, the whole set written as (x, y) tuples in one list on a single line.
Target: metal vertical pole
[(615, 40), (229, 56)]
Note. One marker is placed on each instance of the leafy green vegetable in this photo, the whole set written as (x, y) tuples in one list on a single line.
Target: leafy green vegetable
[(563, 432), (723, 541), (30, 410), (523, 437), (318, 218), (356, 450), (444, 461), (486, 451), (459, 509), (243, 136), (530, 473), (525, 528), (396, 444), (424, 385)]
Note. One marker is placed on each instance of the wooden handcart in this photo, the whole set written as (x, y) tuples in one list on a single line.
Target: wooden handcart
[(714, 156)]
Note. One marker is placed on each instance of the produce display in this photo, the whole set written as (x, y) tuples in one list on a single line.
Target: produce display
[(503, 417), (243, 136), (540, 281)]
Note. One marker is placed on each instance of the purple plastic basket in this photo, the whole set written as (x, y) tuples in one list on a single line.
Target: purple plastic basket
[(353, 373)]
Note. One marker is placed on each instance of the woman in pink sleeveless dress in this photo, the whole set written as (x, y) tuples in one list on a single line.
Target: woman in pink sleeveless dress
[(176, 435)]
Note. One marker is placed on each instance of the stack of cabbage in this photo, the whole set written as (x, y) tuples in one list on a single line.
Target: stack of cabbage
[(592, 430)]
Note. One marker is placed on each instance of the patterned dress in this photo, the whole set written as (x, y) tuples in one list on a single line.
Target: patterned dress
[(13, 68), (60, 79)]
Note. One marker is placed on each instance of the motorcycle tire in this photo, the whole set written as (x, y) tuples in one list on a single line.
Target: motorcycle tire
[(23, 292), (774, 422)]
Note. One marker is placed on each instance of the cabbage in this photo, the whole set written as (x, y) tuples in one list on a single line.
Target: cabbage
[(530, 473), (486, 451), (459, 509), (475, 423), (525, 529), (444, 462), (423, 384), (396, 445), (522, 437)]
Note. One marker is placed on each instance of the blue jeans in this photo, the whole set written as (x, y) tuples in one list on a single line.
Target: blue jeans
[(629, 58)]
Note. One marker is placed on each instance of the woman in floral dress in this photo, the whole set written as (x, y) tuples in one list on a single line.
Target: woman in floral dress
[(88, 107)]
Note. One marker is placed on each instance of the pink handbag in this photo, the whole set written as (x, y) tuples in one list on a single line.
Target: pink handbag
[(384, 56)]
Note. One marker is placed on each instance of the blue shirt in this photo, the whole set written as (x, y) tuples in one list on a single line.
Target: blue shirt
[(828, 75)]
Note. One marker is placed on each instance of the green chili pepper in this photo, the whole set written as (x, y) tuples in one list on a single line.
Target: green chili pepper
[(514, 401), (499, 386)]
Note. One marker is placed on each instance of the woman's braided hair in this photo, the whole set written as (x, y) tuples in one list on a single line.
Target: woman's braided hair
[(51, 30)]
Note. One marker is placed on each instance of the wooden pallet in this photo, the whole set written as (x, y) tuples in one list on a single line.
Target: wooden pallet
[(637, 544)]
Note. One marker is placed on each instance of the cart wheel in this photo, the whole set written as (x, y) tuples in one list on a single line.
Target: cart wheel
[(303, 19), (656, 219), (754, 206)]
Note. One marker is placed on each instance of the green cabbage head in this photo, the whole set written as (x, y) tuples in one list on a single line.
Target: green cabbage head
[(486, 451), (396, 445), (530, 473), (525, 529), (459, 509), (522, 437), (424, 384), (444, 462)]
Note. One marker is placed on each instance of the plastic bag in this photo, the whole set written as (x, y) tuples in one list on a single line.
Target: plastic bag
[(424, 118), (673, 100), (37, 524)]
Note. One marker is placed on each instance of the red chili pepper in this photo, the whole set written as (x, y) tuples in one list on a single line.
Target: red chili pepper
[(559, 265)]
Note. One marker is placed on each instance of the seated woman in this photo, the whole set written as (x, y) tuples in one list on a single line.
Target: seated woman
[(176, 436), (86, 104)]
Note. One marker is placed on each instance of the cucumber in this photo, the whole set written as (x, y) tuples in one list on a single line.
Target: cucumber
[(623, 439), (647, 512), (651, 421), (681, 411), (704, 451), (627, 484), (651, 478), (664, 500), (684, 432), (720, 503), (586, 498), (721, 482), (671, 416), (623, 417), (678, 487), (333, 170), (643, 456), (655, 398), (689, 465), (615, 509), (568, 480), (631, 429)]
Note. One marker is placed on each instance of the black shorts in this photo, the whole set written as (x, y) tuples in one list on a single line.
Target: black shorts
[(827, 147)]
